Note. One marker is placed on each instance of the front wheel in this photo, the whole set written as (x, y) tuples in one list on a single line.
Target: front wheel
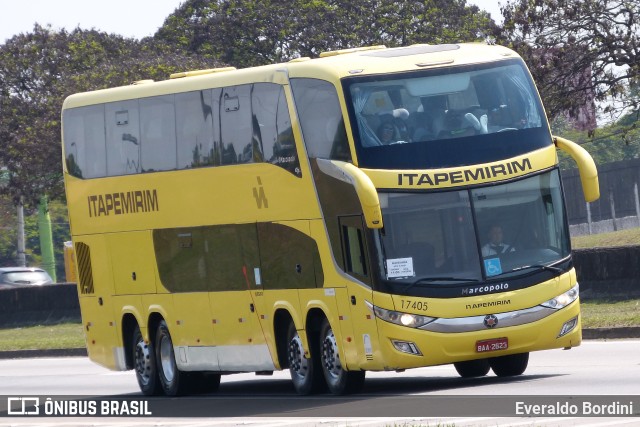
[(305, 372), (338, 380), (174, 382), (509, 366), (144, 363), (472, 368)]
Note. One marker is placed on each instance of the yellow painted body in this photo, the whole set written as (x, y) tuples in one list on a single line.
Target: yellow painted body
[(127, 281)]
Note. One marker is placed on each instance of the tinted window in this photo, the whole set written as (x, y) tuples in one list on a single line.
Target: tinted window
[(158, 130), (354, 251), (123, 138), (223, 126), (84, 138), (272, 134), (321, 119), (445, 117), (480, 234), (236, 125), (194, 129)]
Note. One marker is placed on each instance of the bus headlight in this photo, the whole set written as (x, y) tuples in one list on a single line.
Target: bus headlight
[(399, 318), (563, 300)]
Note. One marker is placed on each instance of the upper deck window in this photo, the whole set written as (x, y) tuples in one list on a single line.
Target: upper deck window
[(213, 127), (445, 117), (321, 119)]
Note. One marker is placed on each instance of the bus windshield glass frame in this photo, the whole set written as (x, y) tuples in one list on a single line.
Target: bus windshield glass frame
[(477, 235), (445, 117)]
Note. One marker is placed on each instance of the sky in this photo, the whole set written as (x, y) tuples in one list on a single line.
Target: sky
[(129, 18)]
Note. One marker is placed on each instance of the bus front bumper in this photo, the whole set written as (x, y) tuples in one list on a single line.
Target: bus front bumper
[(405, 347)]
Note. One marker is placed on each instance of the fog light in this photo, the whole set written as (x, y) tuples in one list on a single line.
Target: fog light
[(568, 327), (406, 347)]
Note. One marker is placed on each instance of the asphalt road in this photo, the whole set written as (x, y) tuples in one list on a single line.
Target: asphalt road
[(608, 370)]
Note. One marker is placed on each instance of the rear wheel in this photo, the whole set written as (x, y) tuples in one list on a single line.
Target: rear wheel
[(144, 363), (305, 372), (174, 382), (338, 380), (509, 366), (472, 368)]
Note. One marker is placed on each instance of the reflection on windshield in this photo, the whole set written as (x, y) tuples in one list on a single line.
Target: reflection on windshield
[(445, 117), (444, 106), (521, 224), (472, 235)]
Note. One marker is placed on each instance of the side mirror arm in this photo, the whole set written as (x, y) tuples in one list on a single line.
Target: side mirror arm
[(586, 167)]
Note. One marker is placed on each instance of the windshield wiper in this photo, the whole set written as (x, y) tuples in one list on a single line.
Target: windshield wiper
[(538, 266), (439, 279)]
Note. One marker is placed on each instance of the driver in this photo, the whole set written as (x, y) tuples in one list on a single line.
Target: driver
[(496, 244)]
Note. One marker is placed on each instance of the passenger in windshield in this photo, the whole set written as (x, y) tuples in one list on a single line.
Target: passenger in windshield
[(496, 244), (386, 131)]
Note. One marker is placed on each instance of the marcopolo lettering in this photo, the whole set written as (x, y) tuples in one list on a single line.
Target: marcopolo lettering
[(465, 175), (485, 289), (123, 203)]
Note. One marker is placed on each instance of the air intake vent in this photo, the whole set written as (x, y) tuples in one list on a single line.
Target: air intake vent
[(85, 273)]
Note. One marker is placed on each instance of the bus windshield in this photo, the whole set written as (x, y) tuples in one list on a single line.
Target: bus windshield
[(445, 117), (474, 235)]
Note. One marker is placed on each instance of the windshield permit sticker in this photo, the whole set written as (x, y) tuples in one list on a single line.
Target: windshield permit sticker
[(400, 267), (492, 266)]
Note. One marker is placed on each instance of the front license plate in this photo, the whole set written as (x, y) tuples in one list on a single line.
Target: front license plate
[(492, 345)]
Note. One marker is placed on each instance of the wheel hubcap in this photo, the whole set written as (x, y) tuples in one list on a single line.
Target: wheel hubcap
[(143, 362), (166, 358), (297, 362), (330, 356)]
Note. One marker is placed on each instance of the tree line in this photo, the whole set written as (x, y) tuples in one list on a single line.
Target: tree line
[(578, 51)]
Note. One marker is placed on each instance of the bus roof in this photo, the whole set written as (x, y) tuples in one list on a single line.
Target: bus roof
[(331, 66)]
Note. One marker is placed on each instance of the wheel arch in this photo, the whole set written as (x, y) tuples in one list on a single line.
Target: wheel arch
[(313, 325), (281, 320), (152, 325), (129, 323)]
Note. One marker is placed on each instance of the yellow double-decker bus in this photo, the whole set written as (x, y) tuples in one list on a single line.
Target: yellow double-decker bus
[(372, 209)]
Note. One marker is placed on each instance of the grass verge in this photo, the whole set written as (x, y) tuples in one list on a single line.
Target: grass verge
[(603, 313), (596, 313), (64, 335), (617, 238)]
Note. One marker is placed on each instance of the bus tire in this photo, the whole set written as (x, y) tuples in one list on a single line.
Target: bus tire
[(509, 366), (144, 363), (338, 379), (305, 372), (174, 382), (472, 368)]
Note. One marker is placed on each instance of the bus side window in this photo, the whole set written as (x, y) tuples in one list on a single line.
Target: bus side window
[(195, 114), (236, 125), (272, 133), (354, 251), (158, 133), (84, 140), (321, 119), (123, 137)]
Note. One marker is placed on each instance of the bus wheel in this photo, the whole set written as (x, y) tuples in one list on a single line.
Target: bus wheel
[(144, 363), (304, 371), (472, 368), (338, 380), (174, 382), (509, 366)]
